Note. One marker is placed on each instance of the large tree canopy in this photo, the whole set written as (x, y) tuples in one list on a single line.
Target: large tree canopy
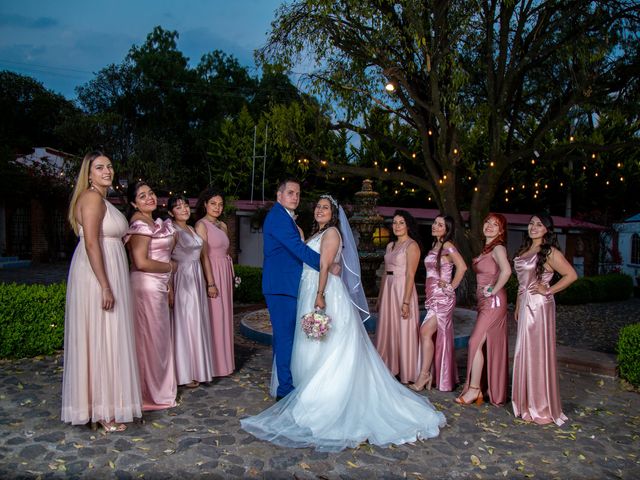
[(484, 87)]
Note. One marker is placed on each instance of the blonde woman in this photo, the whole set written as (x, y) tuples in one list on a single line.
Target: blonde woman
[(100, 382)]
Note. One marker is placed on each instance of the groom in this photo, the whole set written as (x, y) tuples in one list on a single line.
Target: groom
[(284, 254)]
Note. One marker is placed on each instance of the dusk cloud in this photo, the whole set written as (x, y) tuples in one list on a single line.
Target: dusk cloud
[(21, 21)]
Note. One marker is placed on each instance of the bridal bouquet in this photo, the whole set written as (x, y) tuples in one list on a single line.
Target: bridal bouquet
[(316, 324)]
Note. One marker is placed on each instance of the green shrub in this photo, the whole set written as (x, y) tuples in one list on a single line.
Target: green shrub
[(512, 289), (250, 288), (612, 287), (629, 353), (31, 319), (579, 292)]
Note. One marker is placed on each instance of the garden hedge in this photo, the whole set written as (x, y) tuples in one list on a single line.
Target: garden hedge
[(629, 353), (250, 288), (31, 319), (599, 288)]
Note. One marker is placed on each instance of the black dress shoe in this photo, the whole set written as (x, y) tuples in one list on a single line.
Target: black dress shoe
[(278, 398)]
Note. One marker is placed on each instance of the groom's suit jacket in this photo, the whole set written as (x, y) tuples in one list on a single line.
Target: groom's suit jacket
[(284, 254)]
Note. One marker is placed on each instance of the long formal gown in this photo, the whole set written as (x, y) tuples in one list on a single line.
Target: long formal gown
[(440, 304), (492, 322), (191, 323), (100, 379), (154, 339), (221, 307), (535, 390), (397, 338), (344, 393)]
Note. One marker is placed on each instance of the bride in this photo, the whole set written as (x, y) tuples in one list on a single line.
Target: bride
[(344, 393)]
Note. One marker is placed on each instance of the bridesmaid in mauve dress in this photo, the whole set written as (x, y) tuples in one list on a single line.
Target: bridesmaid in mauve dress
[(536, 391), (191, 324), (490, 331), (398, 312), (218, 271), (440, 303), (100, 380), (150, 245)]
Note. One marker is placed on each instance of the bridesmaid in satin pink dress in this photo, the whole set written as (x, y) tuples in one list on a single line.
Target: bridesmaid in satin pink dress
[(191, 323), (219, 274), (536, 391), (398, 312), (440, 303), (493, 271), (100, 380), (150, 245)]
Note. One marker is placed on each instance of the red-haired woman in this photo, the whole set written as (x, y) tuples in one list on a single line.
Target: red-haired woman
[(490, 332)]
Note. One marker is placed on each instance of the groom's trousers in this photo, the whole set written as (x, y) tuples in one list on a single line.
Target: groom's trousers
[(282, 311)]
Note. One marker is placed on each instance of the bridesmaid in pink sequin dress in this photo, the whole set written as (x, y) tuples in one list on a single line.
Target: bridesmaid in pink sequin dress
[(536, 391), (150, 245), (440, 303), (490, 332), (191, 323), (397, 338), (100, 380), (220, 280)]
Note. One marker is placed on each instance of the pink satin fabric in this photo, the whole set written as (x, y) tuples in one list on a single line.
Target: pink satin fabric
[(100, 379), (536, 392), (492, 322), (221, 307), (397, 338), (441, 305), (191, 323), (154, 341)]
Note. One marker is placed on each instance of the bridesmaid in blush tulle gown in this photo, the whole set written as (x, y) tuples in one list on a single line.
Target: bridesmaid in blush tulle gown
[(150, 245), (219, 274), (191, 324), (490, 331), (100, 380), (440, 302), (398, 312), (536, 392)]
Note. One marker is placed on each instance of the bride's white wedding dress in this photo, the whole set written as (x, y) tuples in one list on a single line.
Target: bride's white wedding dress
[(344, 393)]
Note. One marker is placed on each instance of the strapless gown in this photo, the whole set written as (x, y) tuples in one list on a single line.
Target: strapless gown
[(344, 393), (536, 391)]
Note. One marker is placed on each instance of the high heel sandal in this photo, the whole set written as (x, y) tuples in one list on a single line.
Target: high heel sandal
[(108, 427), (418, 386), (478, 400)]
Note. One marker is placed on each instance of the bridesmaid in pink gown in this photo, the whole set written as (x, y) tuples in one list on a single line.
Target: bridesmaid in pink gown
[(440, 303), (220, 280), (100, 380), (398, 312), (490, 331), (191, 324), (150, 245), (536, 392)]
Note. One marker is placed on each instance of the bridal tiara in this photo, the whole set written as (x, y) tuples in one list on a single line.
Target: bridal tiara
[(331, 199)]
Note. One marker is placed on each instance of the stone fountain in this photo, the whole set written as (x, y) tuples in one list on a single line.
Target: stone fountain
[(364, 221)]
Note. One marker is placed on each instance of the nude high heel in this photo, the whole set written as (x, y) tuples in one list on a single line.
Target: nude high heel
[(421, 384)]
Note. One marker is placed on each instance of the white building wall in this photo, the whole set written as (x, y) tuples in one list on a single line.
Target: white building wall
[(250, 244)]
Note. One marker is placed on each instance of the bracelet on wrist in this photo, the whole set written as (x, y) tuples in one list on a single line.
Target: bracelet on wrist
[(321, 293), (212, 285), (405, 303)]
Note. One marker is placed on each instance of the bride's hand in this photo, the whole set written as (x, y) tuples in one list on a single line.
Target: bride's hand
[(320, 303), (335, 269)]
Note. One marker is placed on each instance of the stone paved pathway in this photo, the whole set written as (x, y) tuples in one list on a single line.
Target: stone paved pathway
[(201, 438)]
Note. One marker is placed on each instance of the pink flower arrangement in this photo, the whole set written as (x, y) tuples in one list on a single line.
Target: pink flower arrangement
[(316, 324)]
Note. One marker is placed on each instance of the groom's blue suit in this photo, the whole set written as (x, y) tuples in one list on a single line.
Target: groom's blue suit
[(284, 254)]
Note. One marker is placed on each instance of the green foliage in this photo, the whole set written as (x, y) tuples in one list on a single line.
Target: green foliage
[(512, 289), (31, 319), (250, 288), (599, 288), (629, 353)]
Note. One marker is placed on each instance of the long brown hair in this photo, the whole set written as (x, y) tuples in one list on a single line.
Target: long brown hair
[(548, 240), (82, 184), (501, 239), (449, 233)]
